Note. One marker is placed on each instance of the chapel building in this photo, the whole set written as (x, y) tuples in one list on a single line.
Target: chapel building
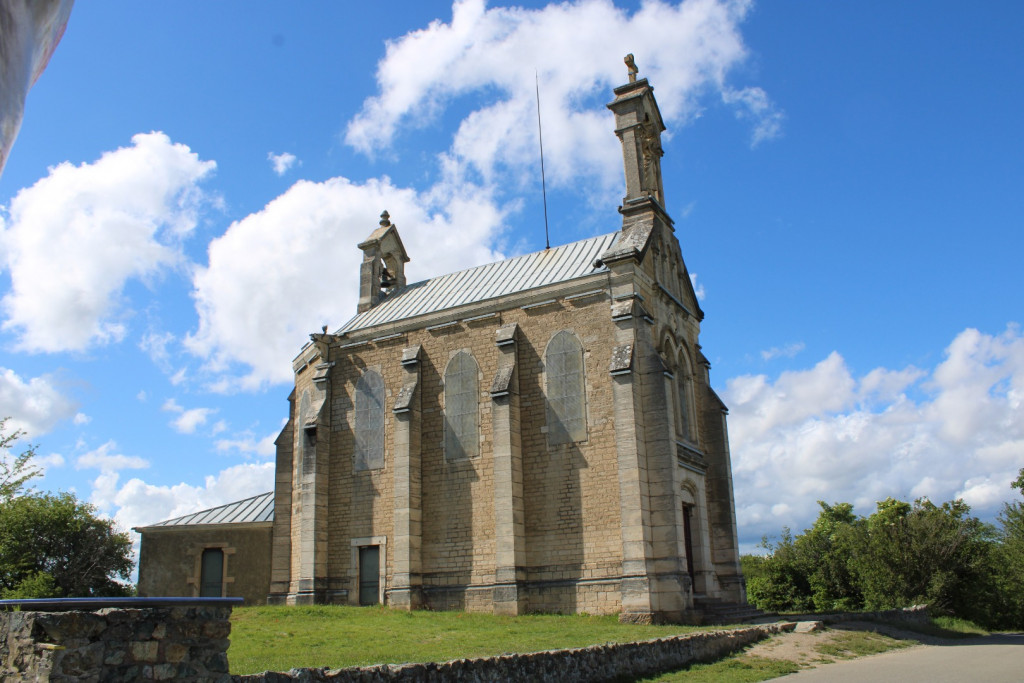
[(533, 435)]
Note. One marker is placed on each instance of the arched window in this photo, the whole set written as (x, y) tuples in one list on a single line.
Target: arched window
[(461, 408), (307, 446), (567, 401), (369, 427), (684, 400)]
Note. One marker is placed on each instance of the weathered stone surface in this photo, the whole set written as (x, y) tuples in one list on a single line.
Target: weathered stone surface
[(180, 643)]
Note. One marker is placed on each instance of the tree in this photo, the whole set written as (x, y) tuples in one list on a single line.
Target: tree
[(901, 555), (17, 471), (1008, 564), (780, 583), (55, 545), (924, 553)]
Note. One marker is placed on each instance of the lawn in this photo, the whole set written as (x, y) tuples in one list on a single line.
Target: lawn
[(280, 638)]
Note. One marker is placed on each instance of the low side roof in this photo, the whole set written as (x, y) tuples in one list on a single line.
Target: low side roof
[(256, 509), (519, 274)]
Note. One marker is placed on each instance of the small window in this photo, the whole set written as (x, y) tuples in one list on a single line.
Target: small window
[(461, 408), (566, 397), (685, 400), (369, 427), (211, 582)]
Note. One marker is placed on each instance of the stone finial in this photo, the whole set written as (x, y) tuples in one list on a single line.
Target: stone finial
[(631, 66), (385, 219)]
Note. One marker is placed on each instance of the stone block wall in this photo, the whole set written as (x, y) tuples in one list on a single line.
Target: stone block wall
[(186, 643)]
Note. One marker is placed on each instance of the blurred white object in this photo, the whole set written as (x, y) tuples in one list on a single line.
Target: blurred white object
[(29, 33)]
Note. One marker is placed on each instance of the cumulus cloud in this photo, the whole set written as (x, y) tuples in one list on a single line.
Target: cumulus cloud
[(824, 434), (281, 162), (73, 240), (106, 460), (188, 421), (787, 351), (34, 406), (247, 444), (137, 503), (576, 49), (281, 273)]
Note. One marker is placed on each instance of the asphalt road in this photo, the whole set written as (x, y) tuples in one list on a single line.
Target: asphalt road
[(992, 659)]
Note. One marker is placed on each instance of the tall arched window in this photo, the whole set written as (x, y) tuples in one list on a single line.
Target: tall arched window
[(461, 408), (369, 427), (684, 402), (567, 401)]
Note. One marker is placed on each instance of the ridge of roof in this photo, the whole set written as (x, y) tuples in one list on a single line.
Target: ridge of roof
[(488, 281), (259, 508)]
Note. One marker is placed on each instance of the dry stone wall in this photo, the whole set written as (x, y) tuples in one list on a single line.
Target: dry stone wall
[(185, 643)]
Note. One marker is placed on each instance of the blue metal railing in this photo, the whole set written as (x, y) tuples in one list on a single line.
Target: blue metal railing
[(89, 604)]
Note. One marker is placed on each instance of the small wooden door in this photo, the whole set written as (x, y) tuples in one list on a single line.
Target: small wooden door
[(369, 575), (211, 582)]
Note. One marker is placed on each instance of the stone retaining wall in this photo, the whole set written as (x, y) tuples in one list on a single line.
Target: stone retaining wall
[(157, 643), (595, 663)]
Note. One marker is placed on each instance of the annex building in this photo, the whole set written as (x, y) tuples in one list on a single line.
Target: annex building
[(533, 435)]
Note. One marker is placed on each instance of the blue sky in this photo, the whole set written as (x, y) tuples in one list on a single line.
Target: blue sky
[(184, 200)]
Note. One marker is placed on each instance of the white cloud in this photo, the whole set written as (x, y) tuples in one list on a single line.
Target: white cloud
[(188, 420), (281, 162), (155, 345), (576, 49), (281, 273), (49, 461), (74, 239), (248, 444), (787, 351), (34, 406), (137, 503), (823, 434), (755, 105), (105, 460), (697, 289)]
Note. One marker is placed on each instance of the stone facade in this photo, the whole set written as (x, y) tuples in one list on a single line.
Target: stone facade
[(170, 560), (551, 443)]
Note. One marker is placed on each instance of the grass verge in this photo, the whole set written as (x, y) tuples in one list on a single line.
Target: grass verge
[(850, 644), (942, 627), (279, 638), (739, 668)]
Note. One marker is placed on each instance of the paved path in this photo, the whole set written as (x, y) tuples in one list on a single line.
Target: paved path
[(993, 659)]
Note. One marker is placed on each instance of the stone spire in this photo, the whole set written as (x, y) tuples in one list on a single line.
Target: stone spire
[(638, 125)]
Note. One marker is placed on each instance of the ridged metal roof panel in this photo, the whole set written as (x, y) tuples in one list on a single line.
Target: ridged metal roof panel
[(256, 509), (519, 274)]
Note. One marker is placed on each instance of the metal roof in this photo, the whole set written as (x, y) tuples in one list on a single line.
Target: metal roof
[(519, 274), (256, 509)]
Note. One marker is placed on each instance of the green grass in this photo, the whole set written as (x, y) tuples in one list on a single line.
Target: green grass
[(942, 627), (850, 644), (280, 638), (740, 668)]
